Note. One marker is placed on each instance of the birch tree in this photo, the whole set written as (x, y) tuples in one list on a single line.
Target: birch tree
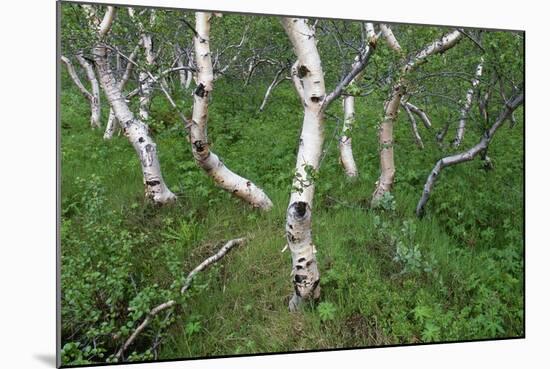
[(305, 273), (308, 78), (467, 105), (134, 129), (205, 158), (391, 109), (348, 102), (92, 96)]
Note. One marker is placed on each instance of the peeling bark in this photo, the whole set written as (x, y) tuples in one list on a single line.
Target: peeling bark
[(206, 159), (467, 106), (305, 273), (480, 148)]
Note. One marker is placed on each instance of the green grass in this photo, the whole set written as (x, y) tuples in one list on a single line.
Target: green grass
[(459, 275)]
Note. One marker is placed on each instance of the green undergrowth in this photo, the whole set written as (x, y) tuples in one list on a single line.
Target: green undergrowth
[(387, 277)]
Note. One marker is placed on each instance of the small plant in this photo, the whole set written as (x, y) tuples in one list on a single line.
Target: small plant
[(327, 311), (407, 252)]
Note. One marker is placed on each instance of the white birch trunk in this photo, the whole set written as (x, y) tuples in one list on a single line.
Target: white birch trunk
[(206, 159), (135, 130), (305, 273), (385, 132), (385, 141), (95, 102), (467, 106), (112, 122), (93, 96), (346, 153)]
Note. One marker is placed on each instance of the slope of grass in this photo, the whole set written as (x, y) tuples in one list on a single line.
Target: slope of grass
[(387, 277)]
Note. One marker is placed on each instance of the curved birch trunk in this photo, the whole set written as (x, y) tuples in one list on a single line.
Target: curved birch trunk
[(112, 122), (391, 108), (135, 130), (305, 273), (346, 153), (467, 106), (206, 159), (385, 141), (479, 148)]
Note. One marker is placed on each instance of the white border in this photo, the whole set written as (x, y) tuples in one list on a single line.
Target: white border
[(27, 230)]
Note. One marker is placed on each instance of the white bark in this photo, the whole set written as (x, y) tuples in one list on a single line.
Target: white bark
[(385, 140), (346, 153), (414, 126), (207, 160), (467, 106), (75, 78), (93, 96), (437, 47), (112, 122), (390, 38), (385, 133), (305, 273), (95, 102), (274, 83), (423, 116), (136, 131)]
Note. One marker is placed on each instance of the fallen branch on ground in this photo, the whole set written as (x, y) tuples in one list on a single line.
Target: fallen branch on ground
[(165, 305)]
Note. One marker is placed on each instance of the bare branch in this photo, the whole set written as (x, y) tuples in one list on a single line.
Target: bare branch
[(468, 155)]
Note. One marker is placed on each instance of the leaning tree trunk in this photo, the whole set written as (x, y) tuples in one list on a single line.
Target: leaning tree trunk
[(385, 132), (467, 106), (135, 129), (480, 148), (112, 123), (206, 159), (385, 141), (305, 273)]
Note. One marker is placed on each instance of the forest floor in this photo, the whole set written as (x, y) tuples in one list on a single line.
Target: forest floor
[(387, 277)]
